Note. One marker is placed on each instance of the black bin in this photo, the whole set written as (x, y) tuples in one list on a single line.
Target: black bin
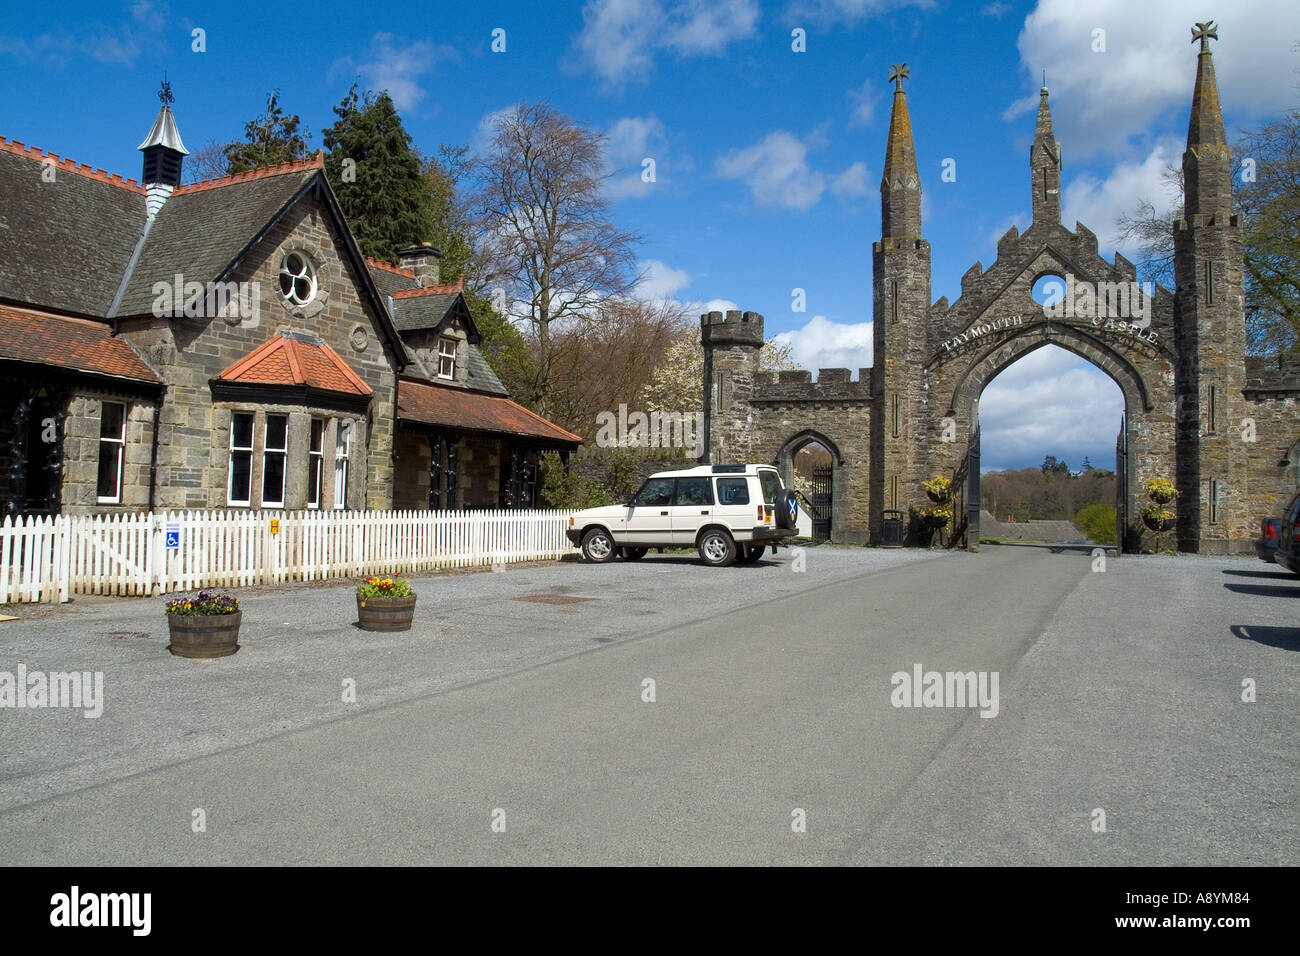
[(892, 530)]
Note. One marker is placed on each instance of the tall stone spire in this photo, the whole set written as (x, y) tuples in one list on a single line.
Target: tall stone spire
[(1207, 165), (1045, 165), (900, 186)]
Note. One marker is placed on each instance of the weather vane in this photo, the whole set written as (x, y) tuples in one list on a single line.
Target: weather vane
[(1205, 32), (165, 94), (897, 73)]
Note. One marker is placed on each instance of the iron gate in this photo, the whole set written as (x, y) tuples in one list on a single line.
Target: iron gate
[(1121, 485), (822, 487)]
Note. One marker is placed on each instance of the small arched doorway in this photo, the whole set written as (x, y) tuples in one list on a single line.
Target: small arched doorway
[(809, 463)]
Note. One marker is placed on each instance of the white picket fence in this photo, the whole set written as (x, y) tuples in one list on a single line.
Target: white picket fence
[(49, 559)]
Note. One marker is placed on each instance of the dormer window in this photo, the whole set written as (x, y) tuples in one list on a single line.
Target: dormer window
[(297, 279), (446, 358)]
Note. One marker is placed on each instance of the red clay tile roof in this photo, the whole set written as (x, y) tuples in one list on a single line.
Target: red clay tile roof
[(388, 267), (461, 410), (294, 359), (457, 286), (41, 338), (316, 161), (40, 156)]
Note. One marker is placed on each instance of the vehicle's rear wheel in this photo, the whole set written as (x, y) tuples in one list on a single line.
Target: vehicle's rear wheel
[(632, 554), (598, 546), (716, 548), (749, 553)]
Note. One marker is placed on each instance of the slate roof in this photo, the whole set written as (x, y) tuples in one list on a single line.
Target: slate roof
[(231, 212), (82, 345), (293, 358), (459, 409), (64, 245)]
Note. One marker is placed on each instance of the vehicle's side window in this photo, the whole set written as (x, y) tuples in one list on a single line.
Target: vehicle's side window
[(656, 491), (771, 482), (733, 491), (694, 491)]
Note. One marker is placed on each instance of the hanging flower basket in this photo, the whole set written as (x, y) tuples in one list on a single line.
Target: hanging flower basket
[(938, 489), (1158, 519), (1161, 491)]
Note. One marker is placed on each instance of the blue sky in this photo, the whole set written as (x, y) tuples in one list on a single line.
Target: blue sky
[(767, 160)]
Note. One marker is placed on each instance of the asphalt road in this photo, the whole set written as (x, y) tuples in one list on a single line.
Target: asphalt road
[(1119, 691)]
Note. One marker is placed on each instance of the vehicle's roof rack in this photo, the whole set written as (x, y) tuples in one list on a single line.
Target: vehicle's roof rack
[(728, 469)]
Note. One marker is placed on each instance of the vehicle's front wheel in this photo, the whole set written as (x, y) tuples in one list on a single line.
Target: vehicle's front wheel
[(716, 548), (598, 546), (632, 554)]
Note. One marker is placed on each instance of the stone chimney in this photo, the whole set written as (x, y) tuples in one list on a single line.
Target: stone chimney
[(163, 155), (424, 261)]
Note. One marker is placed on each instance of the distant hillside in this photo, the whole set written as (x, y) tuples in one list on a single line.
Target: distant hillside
[(1049, 493)]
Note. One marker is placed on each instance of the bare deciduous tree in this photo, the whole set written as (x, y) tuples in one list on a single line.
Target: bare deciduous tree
[(546, 231)]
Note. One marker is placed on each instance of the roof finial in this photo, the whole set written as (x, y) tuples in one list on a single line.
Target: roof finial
[(1205, 32), (165, 94), (1044, 89), (897, 73)]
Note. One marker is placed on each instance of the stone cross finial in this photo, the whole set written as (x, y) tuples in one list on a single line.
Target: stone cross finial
[(1205, 32), (897, 73), (165, 94)]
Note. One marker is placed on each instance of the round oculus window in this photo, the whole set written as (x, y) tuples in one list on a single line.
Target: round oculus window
[(297, 279)]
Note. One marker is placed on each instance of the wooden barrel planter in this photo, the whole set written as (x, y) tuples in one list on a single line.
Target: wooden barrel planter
[(204, 636), (385, 613)]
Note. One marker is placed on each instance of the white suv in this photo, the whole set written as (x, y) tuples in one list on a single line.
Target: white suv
[(728, 512)]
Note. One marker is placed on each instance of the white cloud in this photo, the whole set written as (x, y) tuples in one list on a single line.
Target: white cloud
[(397, 66), (850, 11), (660, 281), (864, 103), (1098, 204), (997, 9), (698, 307), (822, 343), (485, 131), (1102, 100), (777, 172), (629, 142), (118, 44), (1051, 402), (619, 38), (852, 182)]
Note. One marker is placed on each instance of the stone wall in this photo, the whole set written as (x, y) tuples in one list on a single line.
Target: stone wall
[(194, 436), (81, 428)]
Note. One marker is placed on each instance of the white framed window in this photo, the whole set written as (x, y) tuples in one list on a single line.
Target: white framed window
[(315, 462), (274, 452), (297, 279), (112, 451), (446, 358), (342, 450), (239, 490)]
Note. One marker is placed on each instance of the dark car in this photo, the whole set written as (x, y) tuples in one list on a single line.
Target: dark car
[(1288, 545), (1270, 530)]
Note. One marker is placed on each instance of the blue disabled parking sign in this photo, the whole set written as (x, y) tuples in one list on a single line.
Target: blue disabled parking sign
[(173, 537)]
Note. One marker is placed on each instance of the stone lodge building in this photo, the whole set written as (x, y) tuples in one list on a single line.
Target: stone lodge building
[(1224, 426), (225, 344)]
